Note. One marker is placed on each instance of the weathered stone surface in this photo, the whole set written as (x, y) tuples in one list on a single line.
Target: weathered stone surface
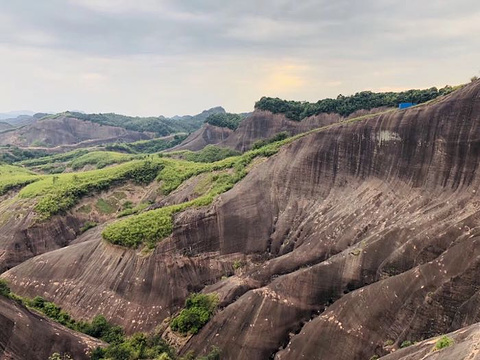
[(264, 124), (355, 235), (206, 135), (27, 335), (21, 237), (65, 130), (466, 347)]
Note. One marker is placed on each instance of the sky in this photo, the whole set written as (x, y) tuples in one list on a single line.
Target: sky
[(165, 57)]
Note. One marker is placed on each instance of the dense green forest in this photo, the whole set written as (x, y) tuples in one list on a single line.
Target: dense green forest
[(227, 120), (346, 105)]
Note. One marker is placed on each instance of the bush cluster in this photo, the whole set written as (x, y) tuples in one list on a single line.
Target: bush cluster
[(209, 154), (225, 120), (60, 193), (199, 308)]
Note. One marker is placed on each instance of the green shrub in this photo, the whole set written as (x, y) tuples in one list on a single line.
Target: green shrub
[(443, 342), (100, 159), (105, 207), (61, 192), (388, 343), (87, 226), (225, 120), (199, 308), (4, 288), (237, 264), (277, 137), (406, 343), (214, 354), (209, 154), (12, 177)]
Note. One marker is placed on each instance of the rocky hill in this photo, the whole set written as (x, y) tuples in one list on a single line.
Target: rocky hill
[(28, 335), (65, 130), (206, 135), (5, 126), (347, 242)]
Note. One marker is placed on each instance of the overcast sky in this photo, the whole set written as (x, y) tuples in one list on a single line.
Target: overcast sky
[(152, 57)]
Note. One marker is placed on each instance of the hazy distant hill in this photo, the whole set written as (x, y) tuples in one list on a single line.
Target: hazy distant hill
[(75, 128), (5, 126), (14, 114)]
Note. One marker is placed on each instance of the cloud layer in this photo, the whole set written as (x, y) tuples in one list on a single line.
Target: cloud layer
[(165, 57)]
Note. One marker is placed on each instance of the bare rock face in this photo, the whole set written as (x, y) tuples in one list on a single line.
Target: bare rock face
[(206, 135), (466, 346), (264, 124), (360, 235), (27, 335), (65, 130), (22, 237), (131, 289)]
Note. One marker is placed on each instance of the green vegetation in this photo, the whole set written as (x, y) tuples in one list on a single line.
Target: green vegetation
[(199, 308), (4, 288), (346, 105), (87, 226), (160, 125), (99, 159), (443, 342), (136, 347), (388, 343), (237, 264), (105, 207), (61, 192), (406, 343), (147, 146), (209, 153), (13, 177), (130, 209), (225, 120), (10, 154), (57, 158), (57, 356), (277, 137), (152, 226)]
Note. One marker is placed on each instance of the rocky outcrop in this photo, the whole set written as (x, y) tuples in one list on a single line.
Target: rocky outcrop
[(358, 235), (466, 345), (64, 130), (206, 135), (264, 125), (27, 335), (22, 237)]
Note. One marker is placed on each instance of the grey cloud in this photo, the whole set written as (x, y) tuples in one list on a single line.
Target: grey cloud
[(189, 27)]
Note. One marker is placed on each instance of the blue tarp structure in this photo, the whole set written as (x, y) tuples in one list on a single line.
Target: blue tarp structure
[(405, 105)]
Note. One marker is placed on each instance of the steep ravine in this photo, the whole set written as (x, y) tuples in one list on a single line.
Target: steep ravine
[(370, 226)]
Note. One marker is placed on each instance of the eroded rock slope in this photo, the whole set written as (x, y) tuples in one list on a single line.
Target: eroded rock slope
[(355, 236), (27, 335)]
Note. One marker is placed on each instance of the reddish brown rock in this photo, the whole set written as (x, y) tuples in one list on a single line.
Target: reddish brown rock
[(206, 135), (66, 130), (264, 125), (357, 234), (27, 335)]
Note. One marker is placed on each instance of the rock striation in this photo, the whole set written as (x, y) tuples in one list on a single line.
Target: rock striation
[(356, 238)]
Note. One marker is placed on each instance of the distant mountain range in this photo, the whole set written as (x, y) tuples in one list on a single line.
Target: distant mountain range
[(70, 128)]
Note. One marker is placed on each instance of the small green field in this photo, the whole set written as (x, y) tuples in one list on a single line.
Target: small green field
[(14, 176)]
